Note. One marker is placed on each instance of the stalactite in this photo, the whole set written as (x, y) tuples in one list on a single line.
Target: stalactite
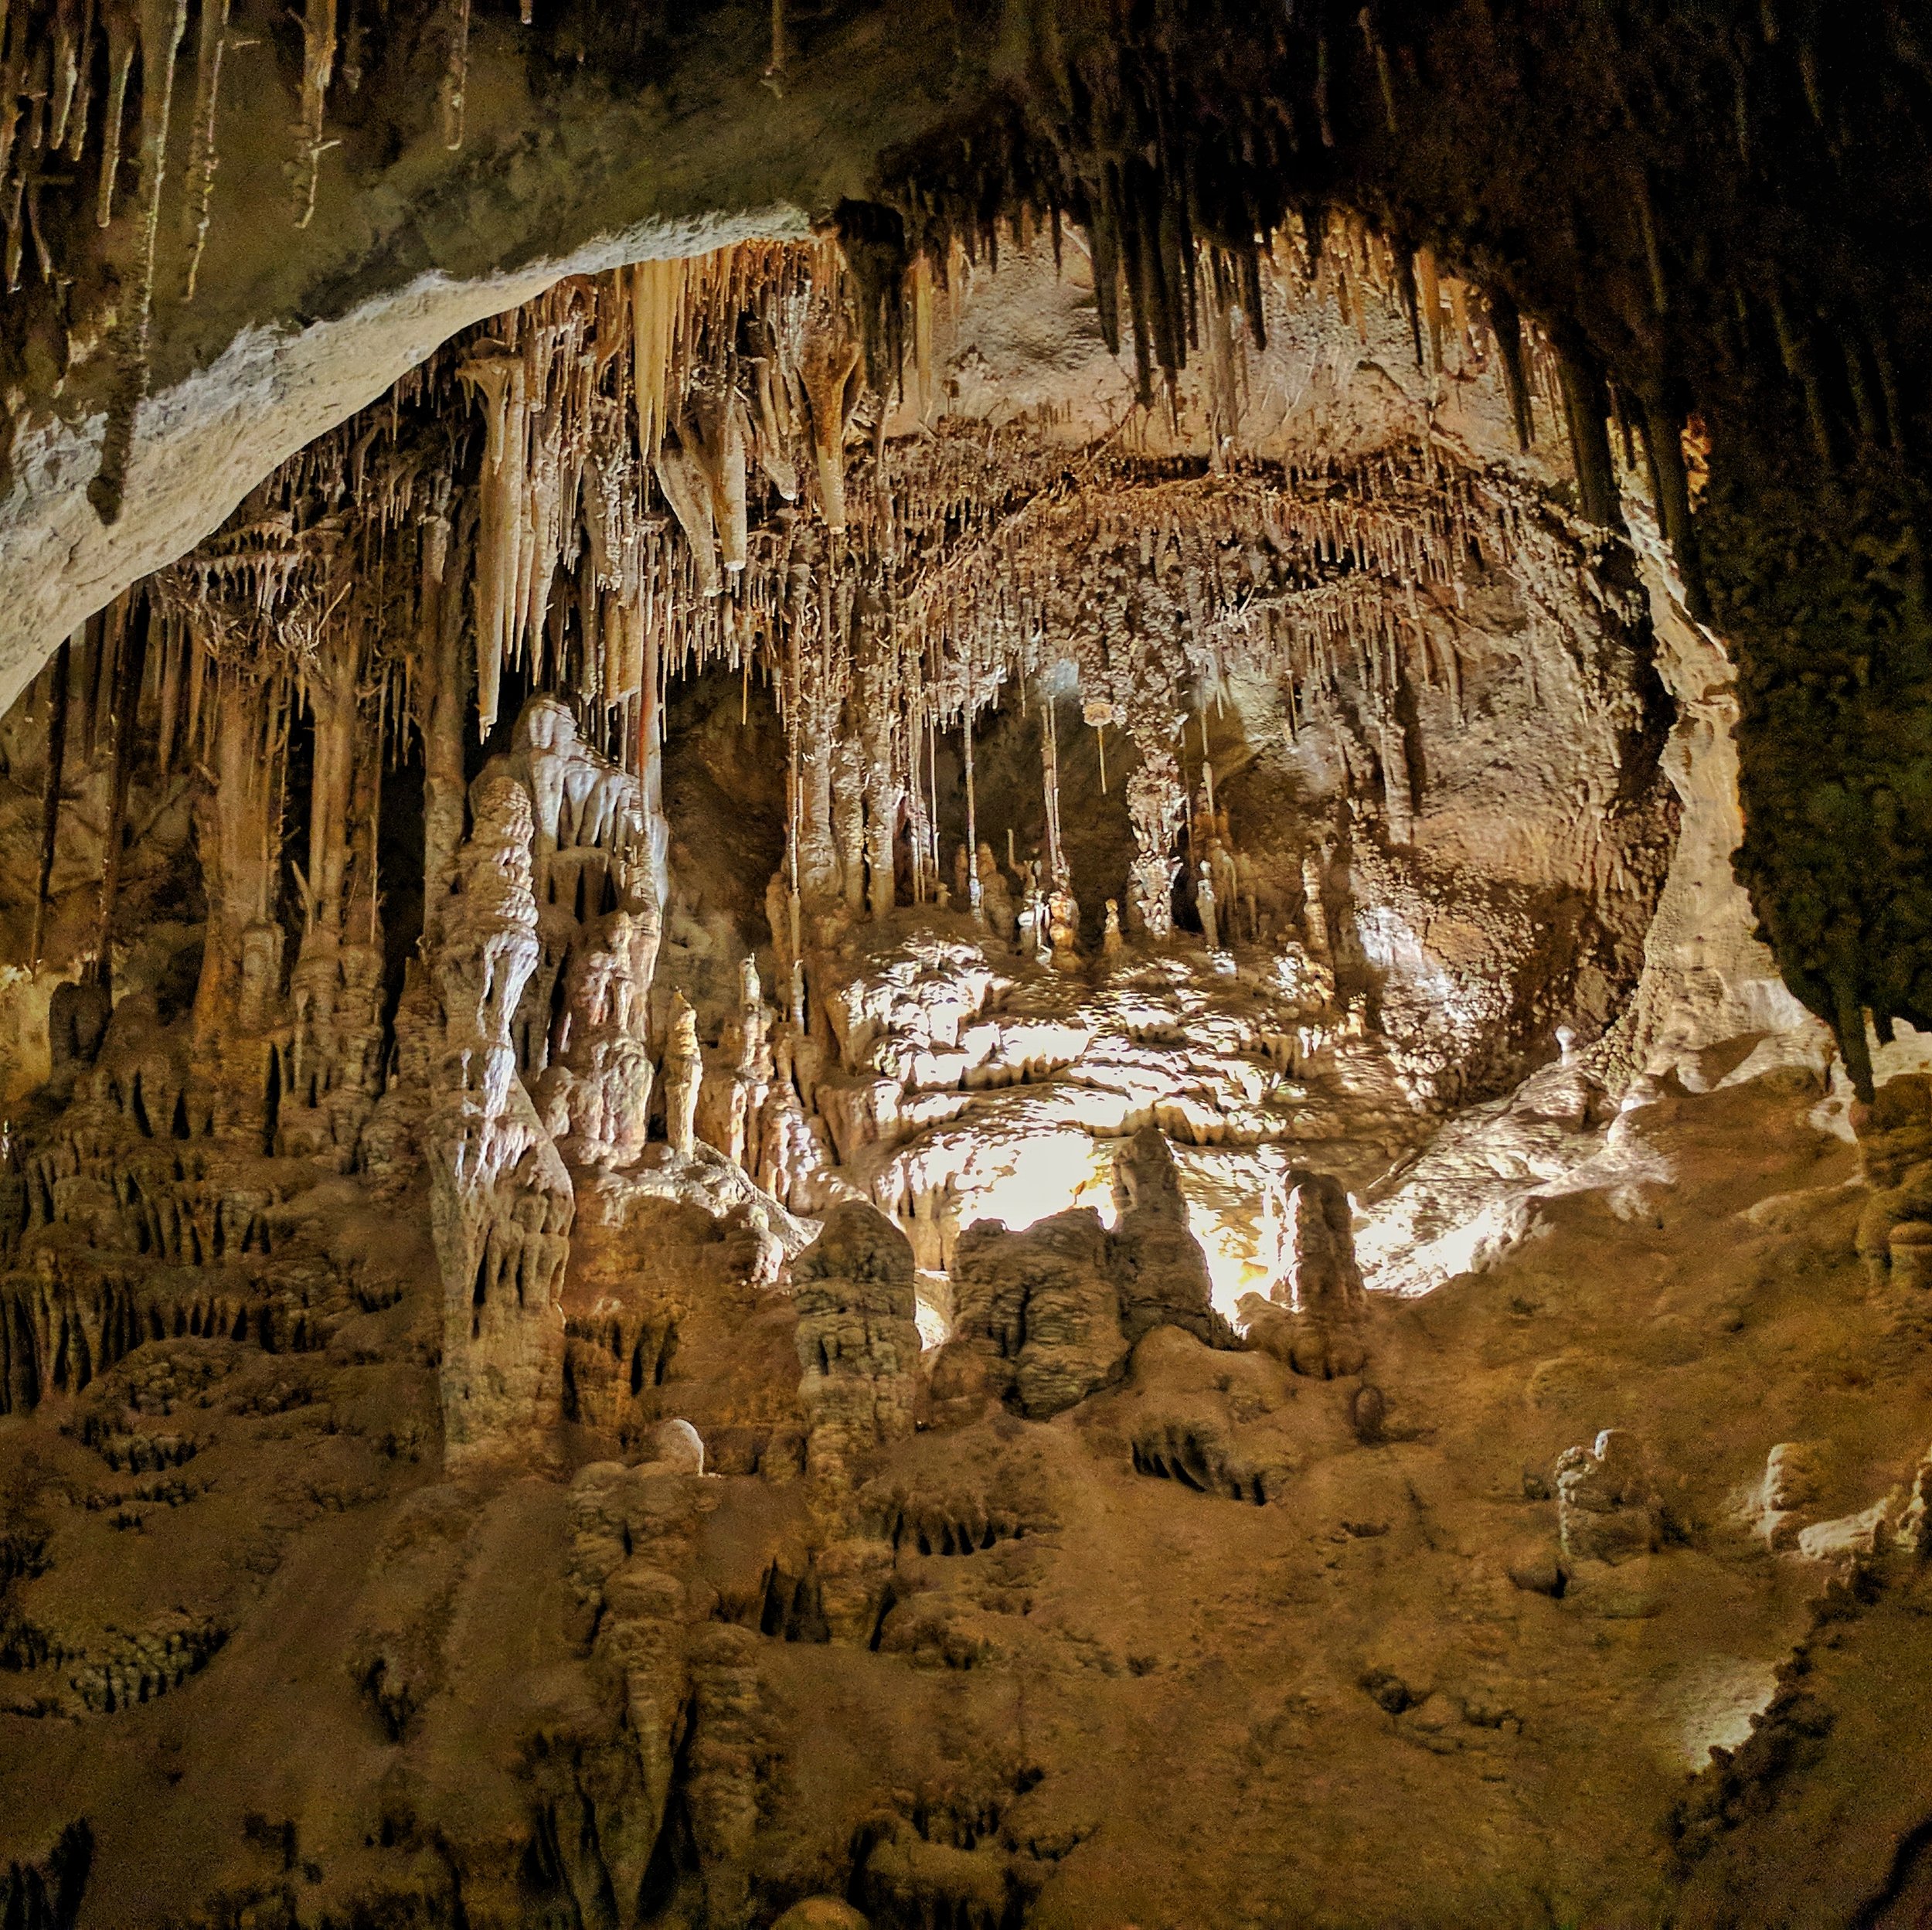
[(658, 293), (456, 76), (130, 674), (318, 69), (775, 68), (1430, 287), (122, 43), (211, 41), (829, 372), (1506, 325), (61, 674), (162, 24), (499, 378), (687, 486), (720, 436), (1587, 409)]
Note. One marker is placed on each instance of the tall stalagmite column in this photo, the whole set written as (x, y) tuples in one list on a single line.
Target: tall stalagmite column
[(501, 1200)]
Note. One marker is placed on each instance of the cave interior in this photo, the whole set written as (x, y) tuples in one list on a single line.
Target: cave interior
[(965, 965)]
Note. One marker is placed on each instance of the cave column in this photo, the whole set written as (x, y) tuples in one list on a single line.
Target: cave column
[(440, 717), (236, 1079), (1156, 806), (500, 1199), (335, 987), (1050, 781)]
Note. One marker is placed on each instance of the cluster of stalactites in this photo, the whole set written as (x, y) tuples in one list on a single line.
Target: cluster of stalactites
[(662, 461), (69, 70), (1305, 578), (1190, 238), (693, 395), (87, 85), (309, 605)]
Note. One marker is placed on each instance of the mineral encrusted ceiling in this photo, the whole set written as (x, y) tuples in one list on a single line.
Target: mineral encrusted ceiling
[(876, 931), (1714, 208)]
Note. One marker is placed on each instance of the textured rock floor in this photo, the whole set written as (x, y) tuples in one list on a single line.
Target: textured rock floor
[(1122, 1697)]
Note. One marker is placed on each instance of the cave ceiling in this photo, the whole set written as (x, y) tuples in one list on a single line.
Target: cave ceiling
[(1711, 212)]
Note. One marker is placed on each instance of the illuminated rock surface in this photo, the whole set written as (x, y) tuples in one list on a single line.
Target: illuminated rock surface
[(828, 1104)]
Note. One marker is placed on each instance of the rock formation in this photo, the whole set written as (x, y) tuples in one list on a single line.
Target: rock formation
[(858, 1345), (500, 1195), (881, 1008), (1606, 1509)]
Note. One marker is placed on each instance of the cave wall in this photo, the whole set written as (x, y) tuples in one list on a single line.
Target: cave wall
[(382, 1326), (578, 151)]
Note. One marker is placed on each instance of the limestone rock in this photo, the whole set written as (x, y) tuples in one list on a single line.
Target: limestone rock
[(858, 1339), (1533, 1566), (1631, 1588), (1162, 1271), (1606, 1509), (1055, 1309), (631, 1533), (1895, 1160), (1042, 1306), (1867, 1533)]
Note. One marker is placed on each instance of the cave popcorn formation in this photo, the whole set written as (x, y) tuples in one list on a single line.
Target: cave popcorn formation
[(810, 1051)]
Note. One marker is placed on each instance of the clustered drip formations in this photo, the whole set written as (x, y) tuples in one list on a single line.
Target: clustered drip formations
[(489, 584), (1732, 291), (1685, 203), (687, 473)]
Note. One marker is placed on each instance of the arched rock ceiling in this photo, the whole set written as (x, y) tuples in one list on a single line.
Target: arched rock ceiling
[(565, 165), (1719, 208)]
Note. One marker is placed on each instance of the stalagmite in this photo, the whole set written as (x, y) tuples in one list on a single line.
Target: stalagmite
[(994, 899), (1316, 1306), (683, 1073), (501, 1199), (857, 1341), (1397, 789), (1204, 902), (1063, 929), (734, 1097), (1314, 907)]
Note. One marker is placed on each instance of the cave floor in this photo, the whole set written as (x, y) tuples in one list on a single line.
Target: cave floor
[(291, 1667)]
